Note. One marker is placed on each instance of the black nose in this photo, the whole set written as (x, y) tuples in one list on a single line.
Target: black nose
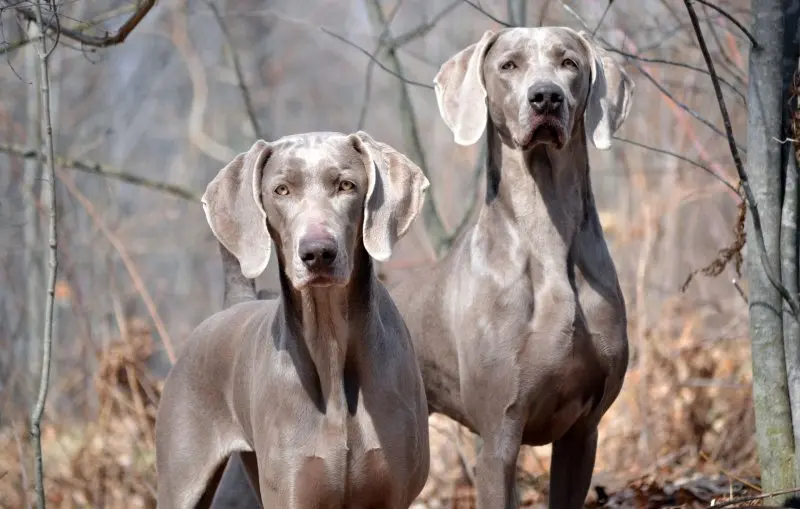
[(545, 97), (317, 253)]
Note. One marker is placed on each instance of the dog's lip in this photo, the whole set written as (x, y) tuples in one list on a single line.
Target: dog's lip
[(539, 122), (321, 279)]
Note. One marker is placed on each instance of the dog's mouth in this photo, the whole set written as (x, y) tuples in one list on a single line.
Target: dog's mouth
[(319, 279), (544, 130)]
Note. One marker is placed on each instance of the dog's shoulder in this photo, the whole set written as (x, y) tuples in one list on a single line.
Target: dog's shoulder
[(234, 322)]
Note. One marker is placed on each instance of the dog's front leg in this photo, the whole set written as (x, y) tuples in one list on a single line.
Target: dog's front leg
[(496, 466), (571, 468)]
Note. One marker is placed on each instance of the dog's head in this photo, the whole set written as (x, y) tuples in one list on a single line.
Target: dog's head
[(534, 84), (317, 196)]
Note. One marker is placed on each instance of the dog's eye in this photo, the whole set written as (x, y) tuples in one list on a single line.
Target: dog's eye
[(568, 62), (508, 65), (282, 190), (346, 185)]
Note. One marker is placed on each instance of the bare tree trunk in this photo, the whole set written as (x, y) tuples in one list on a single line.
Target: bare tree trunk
[(517, 12), (49, 178), (28, 353), (791, 327), (764, 128), (789, 239)]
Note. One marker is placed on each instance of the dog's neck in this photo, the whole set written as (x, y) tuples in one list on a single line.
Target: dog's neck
[(327, 326), (542, 192)]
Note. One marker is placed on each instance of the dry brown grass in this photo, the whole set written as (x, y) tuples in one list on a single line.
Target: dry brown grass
[(107, 463), (695, 417)]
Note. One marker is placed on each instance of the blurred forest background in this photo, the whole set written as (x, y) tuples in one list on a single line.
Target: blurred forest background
[(141, 127)]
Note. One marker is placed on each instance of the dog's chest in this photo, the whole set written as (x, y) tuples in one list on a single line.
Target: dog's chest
[(343, 464)]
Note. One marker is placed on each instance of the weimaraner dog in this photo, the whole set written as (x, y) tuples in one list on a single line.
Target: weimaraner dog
[(319, 389), (521, 329)]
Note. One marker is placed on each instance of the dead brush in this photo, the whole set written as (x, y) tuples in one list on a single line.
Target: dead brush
[(699, 401), (108, 463)]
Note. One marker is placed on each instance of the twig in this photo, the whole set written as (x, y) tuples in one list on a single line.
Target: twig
[(77, 34), (425, 28), (127, 261), (237, 67), (47, 337), (602, 17), (650, 78), (374, 59), (430, 215), (485, 13), (768, 270), (728, 473), (197, 75), (703, 167), (753, 498), (676, 64), (679, 104), (731, 66), (362, 114), (106, 171), (740, 290), (12, 46), (730, 18), (306, 24)]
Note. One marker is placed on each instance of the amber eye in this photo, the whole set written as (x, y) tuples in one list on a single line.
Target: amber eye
[(282, 190), (568, 62), (346, 185), (508, 65)]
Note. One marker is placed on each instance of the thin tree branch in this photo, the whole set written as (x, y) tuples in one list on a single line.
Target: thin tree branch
[(703, 167), (430, 216), (396, 43), (237, 67), (127, 261), (768, 269), (602, 17), (13, 46), (374, 59), (753, 498), (197, 75), (654, 81), (47, 337), (676, 64), (106, 171), (485, 13), (730, 65), (362, 114), (661, 88), (425, 28), (350, 43), (77, 34), (730, 18)]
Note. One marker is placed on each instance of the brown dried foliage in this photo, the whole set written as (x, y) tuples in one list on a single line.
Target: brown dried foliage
[(108, 463)]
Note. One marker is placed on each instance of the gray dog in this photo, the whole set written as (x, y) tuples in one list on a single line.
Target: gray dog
[(521, 329), (319, 390)]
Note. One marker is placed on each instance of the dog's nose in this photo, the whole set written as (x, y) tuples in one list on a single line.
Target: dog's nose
[(317, 253), (545, 97)]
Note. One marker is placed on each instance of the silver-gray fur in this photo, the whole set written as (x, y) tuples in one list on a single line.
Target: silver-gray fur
[(521, 329), (318, 391)]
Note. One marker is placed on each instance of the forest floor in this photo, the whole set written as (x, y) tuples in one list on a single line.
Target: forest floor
[(689, 447)]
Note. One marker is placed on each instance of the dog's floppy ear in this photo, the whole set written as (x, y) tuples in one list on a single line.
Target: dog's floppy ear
[(609, 97), (460, 91), (395, 193), (232, 203)]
